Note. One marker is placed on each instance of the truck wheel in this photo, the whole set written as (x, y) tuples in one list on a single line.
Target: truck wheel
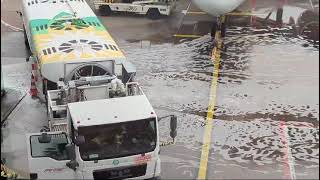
[(153, 14), (105, 10)]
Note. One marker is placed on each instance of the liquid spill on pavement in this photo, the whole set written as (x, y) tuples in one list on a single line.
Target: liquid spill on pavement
[(267, 76)]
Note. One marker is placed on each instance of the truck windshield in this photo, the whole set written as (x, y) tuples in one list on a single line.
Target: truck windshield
[(118, 140)]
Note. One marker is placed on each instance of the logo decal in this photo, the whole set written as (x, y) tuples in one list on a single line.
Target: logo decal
[(142, 159)]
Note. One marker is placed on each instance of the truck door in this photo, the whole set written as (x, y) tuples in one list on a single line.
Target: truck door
[(47, 156)]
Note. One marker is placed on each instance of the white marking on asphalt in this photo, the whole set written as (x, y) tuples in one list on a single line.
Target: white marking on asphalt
[(10, 26)]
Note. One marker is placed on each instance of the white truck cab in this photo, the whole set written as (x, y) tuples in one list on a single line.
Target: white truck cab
[(100, 123), (115, 137), (154, 9)]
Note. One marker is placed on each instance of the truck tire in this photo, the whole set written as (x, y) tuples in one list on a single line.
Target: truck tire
[(153, 14), (105, 10)]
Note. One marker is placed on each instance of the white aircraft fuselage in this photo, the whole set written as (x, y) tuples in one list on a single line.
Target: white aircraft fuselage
[(218, 7)]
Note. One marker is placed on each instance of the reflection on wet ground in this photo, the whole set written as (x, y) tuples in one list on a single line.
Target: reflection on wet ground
[(259, 142)]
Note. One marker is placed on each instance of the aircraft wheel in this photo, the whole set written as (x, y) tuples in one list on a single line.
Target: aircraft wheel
[(153, 14)]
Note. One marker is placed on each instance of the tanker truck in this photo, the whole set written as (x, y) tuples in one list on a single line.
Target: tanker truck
[(101, 125)]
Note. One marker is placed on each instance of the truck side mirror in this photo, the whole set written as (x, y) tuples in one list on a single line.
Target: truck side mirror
[(79, 140), (173, 126), (72, 164), (71, 151)]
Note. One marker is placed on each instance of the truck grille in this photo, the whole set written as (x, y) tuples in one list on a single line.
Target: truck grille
[(121, 173)]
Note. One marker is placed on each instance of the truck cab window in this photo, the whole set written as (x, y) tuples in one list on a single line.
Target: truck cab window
[(118, 140), (54, 149)]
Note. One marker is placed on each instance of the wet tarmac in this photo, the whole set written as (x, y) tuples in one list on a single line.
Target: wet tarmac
[(266, 122)]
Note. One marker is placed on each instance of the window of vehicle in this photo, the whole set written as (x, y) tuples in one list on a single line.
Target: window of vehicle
[(54, 149), (118, 140)]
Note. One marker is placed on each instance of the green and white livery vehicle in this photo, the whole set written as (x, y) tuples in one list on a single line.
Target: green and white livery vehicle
[(100, 123)]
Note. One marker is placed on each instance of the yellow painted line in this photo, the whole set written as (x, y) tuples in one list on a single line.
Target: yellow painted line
[(209, 120), (186, 35)]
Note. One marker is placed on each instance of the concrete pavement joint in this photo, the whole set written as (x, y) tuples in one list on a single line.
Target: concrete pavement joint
[(209, 120)]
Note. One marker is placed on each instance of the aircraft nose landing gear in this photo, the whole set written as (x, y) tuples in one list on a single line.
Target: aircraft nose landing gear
[(220, 25), (223, 29), (214, 29)]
